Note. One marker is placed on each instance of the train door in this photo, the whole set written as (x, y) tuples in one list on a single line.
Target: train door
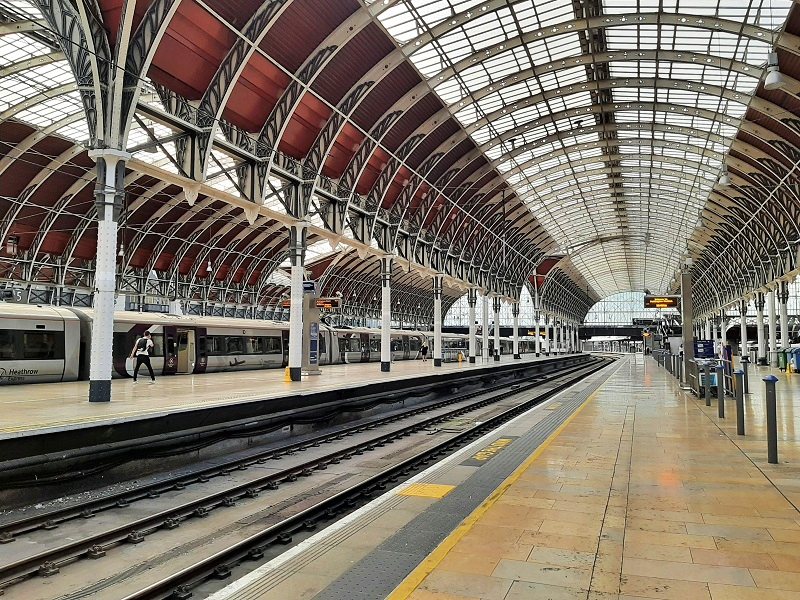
[(186, 350), (285, 336), (170, 350), (365, 347), (201, 359)]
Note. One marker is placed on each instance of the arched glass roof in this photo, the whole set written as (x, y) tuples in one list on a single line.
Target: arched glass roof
[(610, 119), (477, 138)]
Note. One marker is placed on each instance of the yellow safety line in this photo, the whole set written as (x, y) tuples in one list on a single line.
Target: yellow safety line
[(413, 580)]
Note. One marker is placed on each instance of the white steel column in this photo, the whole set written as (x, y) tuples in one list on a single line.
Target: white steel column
[(723, 331), (773, 336), (556, 336), (546, 319), (472, 300), (437, 320), (743, 327), (762, 350), (783, 309), (109, 194), (538, 341), (496, 306), (687, 325), (708, 329), (485, 328), (297, 255), (386, 313), (515, 314)]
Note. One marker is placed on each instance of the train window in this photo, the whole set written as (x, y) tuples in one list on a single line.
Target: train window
[(321, 348), (375, 344), (43, 345), (273, 345), (158, 344), (255, 345), (7, 345), (413, 343), (234, 345), (216, 345), (202, 346), (351, 344)]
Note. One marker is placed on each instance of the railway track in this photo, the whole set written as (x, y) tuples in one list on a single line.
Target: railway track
[(49, 562)]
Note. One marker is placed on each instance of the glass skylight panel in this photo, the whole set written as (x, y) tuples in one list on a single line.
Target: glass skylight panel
[(50, 111)]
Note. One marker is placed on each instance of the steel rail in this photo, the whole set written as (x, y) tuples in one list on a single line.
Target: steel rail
[(48, 562)]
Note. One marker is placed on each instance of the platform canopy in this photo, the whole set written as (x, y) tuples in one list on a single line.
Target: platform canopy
[(476, 138)]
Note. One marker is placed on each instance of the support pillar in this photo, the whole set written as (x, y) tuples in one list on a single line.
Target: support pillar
[(762, 350), (297, 255), (437, 319), (515, 314), (723, 331), (485, 328), (472, 300), (496, 306), (686, 319), (743, 328), (546, 334), (708, 328), (783, 310), (773, 337), (386, 313), (109, 194), (537, 342)]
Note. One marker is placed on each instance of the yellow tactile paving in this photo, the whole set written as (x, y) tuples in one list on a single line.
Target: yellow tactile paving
[(427, 490), (645, 493)]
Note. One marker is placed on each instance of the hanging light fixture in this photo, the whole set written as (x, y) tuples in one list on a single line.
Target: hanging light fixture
[(774, 79), (724, 178), (208, 266)]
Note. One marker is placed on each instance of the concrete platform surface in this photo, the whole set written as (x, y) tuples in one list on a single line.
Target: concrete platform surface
[(45, 407), (645, 494)]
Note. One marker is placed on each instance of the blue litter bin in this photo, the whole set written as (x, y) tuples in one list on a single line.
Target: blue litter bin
[(795, 358)]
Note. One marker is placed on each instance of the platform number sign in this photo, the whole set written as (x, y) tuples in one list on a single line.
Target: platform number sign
[(12, 295)]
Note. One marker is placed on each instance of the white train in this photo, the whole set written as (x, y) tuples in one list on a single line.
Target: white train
[(48, 343)]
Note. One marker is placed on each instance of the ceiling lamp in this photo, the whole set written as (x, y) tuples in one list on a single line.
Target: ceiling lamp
[(724, 179), (774, 79)]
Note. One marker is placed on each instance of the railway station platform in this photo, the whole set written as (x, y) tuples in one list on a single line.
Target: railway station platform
[(47, 407), (46, 428), (621, 487)]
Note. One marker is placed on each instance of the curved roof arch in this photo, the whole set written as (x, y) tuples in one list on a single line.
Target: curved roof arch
[(472, 137)]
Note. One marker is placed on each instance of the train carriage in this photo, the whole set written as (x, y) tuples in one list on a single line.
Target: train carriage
[(37, 344), (46, 343)]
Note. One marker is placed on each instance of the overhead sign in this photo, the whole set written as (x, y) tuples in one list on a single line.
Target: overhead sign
[(329, 303), (661, 301), (324, 303)]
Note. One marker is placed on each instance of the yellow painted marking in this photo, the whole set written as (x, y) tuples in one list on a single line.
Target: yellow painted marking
[(409, 585), (553, 406), (427, 490), (492, 449)]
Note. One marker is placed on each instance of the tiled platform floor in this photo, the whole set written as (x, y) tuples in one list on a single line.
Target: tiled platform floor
[(645, 494), (48, 406)]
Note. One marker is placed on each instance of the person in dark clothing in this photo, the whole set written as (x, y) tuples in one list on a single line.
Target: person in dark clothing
[(142, 349), (424, 352)]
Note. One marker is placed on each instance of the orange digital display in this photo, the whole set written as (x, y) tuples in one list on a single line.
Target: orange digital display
[(661, 301)]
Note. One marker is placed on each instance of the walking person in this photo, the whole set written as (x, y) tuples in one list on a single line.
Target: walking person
[(142, 349), (424, 352)]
